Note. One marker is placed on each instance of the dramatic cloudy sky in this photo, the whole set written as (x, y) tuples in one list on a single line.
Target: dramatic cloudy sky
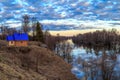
[(63, 14)]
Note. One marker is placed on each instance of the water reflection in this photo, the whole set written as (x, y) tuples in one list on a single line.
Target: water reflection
[(91, 62), (95, 63), (63, 49)]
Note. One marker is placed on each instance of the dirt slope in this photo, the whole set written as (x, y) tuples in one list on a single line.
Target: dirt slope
[(32, 63)]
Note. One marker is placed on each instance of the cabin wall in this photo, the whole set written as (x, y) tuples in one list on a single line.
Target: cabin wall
[(11, 43), (21, 43)]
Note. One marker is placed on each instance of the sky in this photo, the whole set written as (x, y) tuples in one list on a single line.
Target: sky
[(63, 14)]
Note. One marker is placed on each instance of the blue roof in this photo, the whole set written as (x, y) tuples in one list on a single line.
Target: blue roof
[(18, 37), (10, 38)]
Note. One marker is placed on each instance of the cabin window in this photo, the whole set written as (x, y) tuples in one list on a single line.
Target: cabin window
[(11, 42)]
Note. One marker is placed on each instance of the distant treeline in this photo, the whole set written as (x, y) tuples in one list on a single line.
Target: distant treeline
[(52, 41), (98, 38)]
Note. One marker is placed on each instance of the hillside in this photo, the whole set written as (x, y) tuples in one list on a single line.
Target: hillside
[(32, 63)]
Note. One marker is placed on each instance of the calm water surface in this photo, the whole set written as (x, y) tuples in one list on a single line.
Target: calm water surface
[(96, 64), (91, 63)]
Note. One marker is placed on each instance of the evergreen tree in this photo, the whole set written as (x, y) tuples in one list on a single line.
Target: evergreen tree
[(39, 33)]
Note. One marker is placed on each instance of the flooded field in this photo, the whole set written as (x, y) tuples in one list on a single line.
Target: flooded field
[(96, 63), (91, 62)]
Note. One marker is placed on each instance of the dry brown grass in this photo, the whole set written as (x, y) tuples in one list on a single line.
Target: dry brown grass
[(19, 63)]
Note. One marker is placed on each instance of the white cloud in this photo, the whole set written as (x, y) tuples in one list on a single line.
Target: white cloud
[(65, 12), (84, 24)]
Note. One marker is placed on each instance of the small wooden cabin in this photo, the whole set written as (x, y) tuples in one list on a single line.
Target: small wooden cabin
[(18, 39)]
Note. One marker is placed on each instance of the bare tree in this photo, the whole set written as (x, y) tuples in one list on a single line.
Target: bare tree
[(5, 30), (98, 38), (25, 22), (34, 21)]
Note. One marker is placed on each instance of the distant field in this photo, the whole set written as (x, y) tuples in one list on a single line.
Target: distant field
[(74, 32), (70, 32)]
